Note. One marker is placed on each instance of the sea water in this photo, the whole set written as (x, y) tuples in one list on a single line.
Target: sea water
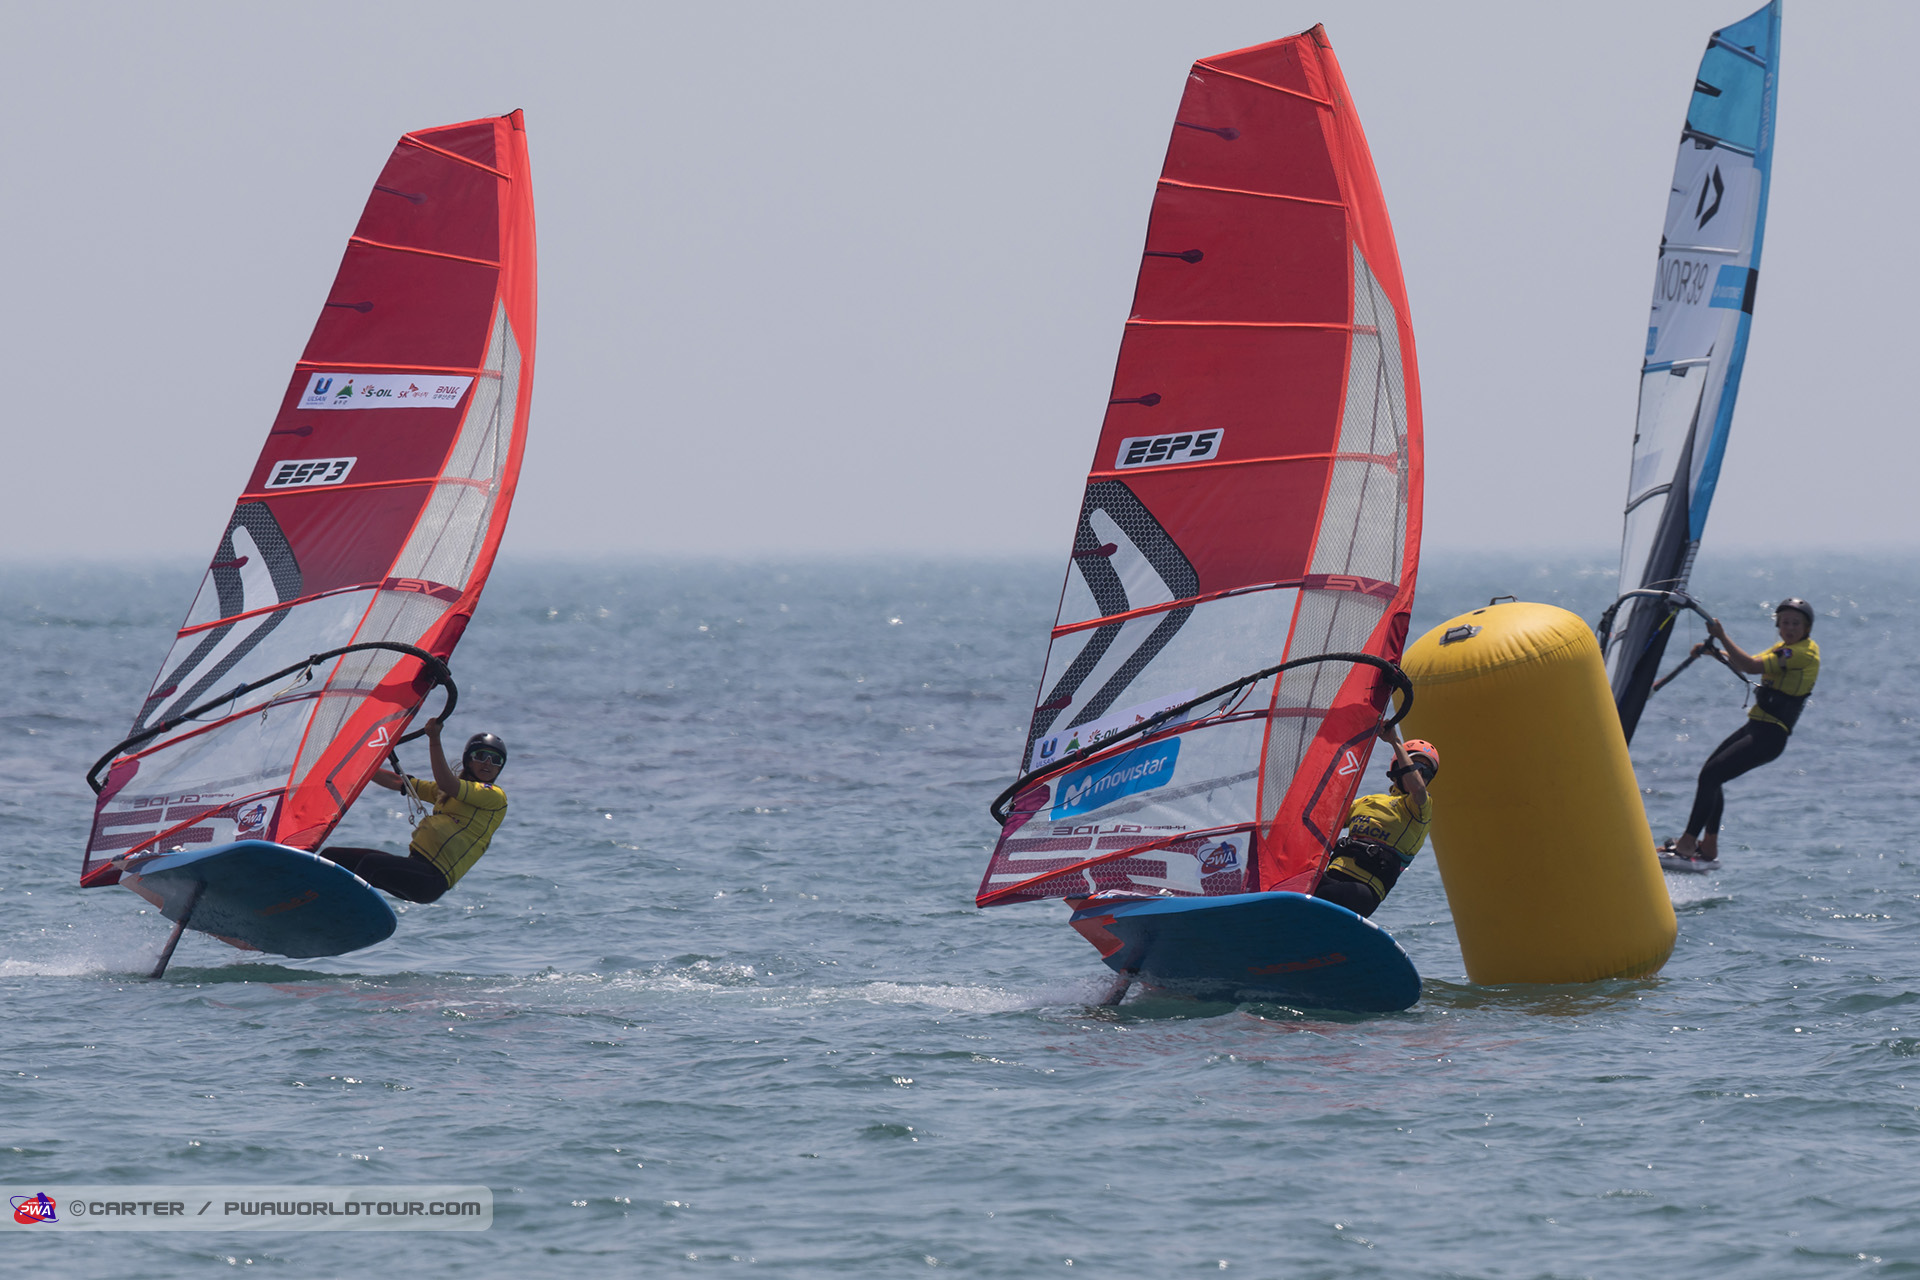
[(718, 1001)]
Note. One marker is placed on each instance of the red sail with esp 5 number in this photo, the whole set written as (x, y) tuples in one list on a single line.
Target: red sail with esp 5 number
[(1254, 498), (372, 514)]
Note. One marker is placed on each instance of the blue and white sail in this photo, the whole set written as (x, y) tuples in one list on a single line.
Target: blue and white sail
[(1703, 292)]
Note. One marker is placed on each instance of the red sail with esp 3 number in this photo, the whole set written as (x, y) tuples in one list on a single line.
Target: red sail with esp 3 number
[(372, 514), (1254, 499)]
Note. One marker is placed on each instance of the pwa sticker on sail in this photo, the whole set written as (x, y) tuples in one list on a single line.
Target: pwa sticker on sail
[(383, 391), (1141, 769)]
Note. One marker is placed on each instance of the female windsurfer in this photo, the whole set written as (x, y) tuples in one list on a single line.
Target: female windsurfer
[(1384, 832), (1787, 671), (467, 809)]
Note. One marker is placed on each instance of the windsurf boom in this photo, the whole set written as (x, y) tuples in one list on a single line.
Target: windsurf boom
[(358, 549), (1251, 521), (1705, 278)]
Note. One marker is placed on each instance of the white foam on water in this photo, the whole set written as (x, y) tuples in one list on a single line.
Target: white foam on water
[(1690, 890), (966, 998), (116, 948)]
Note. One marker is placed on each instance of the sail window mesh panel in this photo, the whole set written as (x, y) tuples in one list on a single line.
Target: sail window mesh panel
[(354, 676), (400, 616), (1328, 622), (1363, 528), (445, 543)]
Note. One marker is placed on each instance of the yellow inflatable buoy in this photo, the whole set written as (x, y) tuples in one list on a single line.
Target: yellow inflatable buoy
[(1538, 829)]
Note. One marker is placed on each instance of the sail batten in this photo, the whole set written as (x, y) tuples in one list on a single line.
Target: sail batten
[(1706, 277), (1254, 502), (370, 518)]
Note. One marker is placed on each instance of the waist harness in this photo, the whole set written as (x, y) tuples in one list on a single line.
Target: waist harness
[(1784, 707), (1369, 862)]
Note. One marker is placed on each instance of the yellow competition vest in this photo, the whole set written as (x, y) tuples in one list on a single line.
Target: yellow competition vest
[(1788, 670), (1390, 820), (456, 833)]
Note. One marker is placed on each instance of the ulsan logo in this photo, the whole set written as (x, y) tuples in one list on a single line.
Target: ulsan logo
[(28, 1210), (1141, 769), (320, 386)]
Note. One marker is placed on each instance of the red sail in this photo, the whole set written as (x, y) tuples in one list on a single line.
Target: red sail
[(373, 514), (1254, 498)]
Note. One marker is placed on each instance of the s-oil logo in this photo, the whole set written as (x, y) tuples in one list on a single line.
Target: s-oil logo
[(1141, 769)]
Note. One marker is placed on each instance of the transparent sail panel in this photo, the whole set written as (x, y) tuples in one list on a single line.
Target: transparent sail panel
[(446, 542), (1330, 622), (1363, 530), (1189, 794), (1097, 683)]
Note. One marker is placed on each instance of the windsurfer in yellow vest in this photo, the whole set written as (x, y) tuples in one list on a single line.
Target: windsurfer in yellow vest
[(467, 809), (1384, 832), (1787, 671)]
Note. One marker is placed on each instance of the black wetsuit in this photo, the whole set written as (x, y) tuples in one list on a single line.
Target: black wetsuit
[(412, 877), (1787, 675), (1755, 743)]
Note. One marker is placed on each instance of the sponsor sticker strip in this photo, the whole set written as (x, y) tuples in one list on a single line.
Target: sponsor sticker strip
[(383, 391), (245, 1207), (1066, 741)]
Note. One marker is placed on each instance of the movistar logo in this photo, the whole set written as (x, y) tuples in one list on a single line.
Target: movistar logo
[(1141, 769)]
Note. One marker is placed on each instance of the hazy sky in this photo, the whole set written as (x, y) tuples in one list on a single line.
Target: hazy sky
[(851, 277)]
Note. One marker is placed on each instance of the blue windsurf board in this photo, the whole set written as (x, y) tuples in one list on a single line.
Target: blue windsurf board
[(265, 897), (1283, 947)]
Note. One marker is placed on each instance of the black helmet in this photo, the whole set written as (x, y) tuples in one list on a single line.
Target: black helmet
[(483, 742), (1799, 606)]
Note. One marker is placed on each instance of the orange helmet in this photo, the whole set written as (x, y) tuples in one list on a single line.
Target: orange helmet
[(1421, 747)]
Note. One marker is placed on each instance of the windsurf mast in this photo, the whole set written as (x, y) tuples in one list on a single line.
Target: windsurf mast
[(1253, 506), (1705, 278), (364, 534)]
